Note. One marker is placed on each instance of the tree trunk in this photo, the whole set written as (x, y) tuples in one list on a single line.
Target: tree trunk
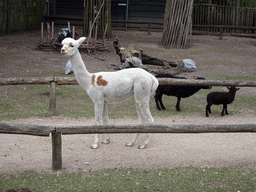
[(177, 23)]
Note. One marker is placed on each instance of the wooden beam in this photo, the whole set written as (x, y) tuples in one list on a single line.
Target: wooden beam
[(44, 130), (25, 80), (26, 129), (154, 128)]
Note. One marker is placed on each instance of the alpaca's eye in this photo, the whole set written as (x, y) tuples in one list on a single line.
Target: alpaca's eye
[(71, 45)]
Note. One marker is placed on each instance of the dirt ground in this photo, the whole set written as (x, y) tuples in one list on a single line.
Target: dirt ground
[(214, 58)]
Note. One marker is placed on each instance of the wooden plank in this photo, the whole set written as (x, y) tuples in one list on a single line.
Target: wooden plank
[(25, 80), (26, 129), (153, 128)]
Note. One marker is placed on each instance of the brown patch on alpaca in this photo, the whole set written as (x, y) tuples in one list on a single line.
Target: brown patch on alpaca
[(101, 82), (93, 80)]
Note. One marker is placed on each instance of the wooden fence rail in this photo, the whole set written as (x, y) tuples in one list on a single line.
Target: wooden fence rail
[(162, 81), (57, 131), (211, 29), (54, 81)]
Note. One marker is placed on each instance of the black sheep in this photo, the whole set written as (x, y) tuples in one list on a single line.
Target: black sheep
[(218, 98), (179, 91)]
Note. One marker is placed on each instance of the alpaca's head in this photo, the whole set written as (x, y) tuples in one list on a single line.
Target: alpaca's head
[(70, 46)]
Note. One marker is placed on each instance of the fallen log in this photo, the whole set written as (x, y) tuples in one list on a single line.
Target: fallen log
[(148, 59), (173, 67)]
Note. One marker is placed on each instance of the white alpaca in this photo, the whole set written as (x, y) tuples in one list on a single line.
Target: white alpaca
[(111, 87)]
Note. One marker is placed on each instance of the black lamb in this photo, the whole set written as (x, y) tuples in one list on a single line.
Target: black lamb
[(179, 91), (218, 98)]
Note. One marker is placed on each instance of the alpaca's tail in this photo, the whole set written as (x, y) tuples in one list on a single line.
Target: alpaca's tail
[(155, 84)]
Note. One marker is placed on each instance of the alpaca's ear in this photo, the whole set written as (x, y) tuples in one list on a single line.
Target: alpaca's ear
[(81, 40)]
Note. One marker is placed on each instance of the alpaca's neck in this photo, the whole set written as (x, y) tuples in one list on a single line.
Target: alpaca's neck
[(83, 77)]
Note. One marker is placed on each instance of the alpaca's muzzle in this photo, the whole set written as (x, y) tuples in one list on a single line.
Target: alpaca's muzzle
[(63, 52)]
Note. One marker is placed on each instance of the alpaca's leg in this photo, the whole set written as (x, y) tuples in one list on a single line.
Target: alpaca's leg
[(96, 142), (130, 144), (145, 142), (98, 107), (105, 122), (146, 118), (142, 97)]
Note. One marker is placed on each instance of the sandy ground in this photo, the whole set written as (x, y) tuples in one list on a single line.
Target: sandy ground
[(21, 152), (232, 56)]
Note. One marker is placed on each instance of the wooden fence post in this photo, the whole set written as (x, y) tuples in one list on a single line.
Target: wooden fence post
[(149, 28), (221, 34), (42, 31), (52, 101), (56, 151), (48, 32), (52, 29)]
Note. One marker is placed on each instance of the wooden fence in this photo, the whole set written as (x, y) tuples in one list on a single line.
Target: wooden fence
[(57, 131), (211, 14), (54, 81)]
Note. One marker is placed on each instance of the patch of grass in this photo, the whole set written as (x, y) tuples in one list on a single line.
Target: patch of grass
[(243, 102), (23, 102), (177, 179), (242, 78), (218, 62), (72, 101)]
